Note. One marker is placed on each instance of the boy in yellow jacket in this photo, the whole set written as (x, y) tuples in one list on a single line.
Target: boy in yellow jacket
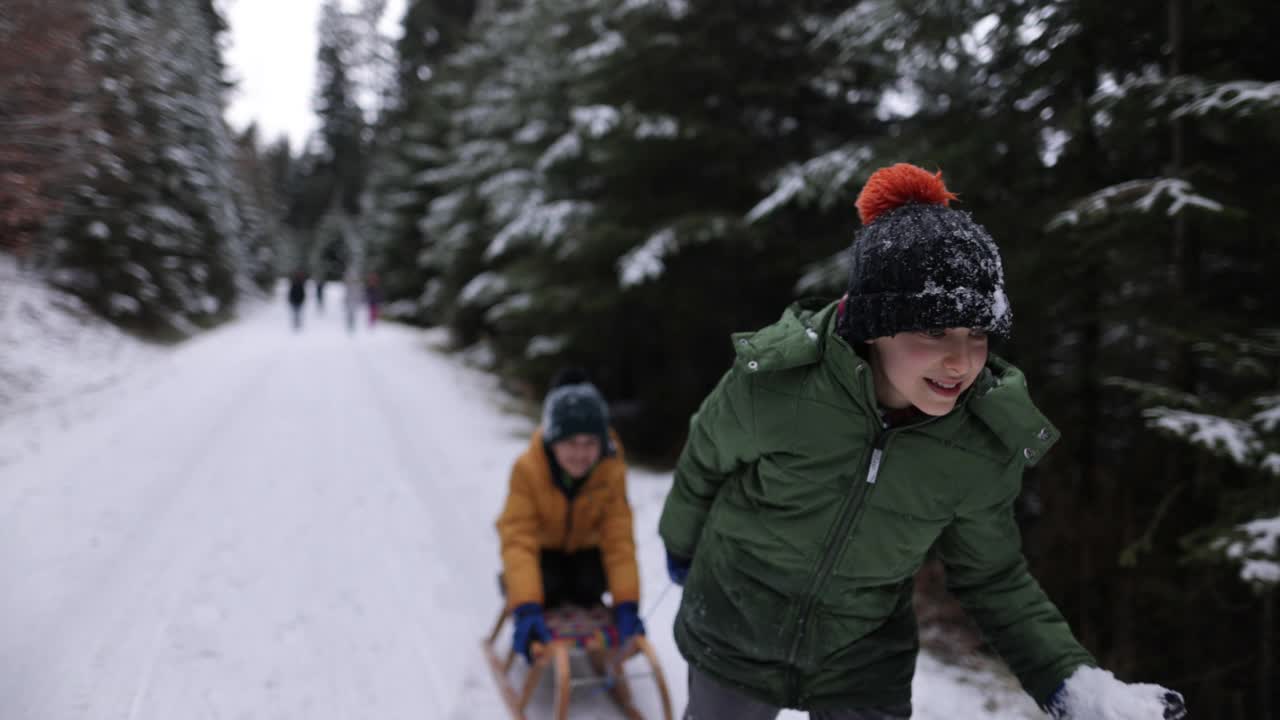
[(565, 529)]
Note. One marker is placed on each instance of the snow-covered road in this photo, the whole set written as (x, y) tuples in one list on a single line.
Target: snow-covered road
[(294, 526)]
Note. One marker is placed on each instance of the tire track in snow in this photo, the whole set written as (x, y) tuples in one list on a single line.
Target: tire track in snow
[(90, 625), (445, 534)]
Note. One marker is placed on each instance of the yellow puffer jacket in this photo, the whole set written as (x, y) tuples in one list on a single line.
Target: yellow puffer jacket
[(539, 516)]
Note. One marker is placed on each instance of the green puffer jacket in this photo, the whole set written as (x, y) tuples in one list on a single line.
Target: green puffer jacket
[(807, 521)]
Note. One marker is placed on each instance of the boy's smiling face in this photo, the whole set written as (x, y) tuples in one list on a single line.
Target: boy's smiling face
[(928, 369), (577, 454)]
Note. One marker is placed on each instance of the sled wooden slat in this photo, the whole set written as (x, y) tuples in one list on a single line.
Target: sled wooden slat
[(605, 661), (560, 653), (497, 668), (658, 677)]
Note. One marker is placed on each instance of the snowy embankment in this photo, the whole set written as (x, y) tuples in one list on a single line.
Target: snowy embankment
[(267, 524), (59, 364)]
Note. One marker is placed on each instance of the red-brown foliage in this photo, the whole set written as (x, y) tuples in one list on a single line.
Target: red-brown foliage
[(43, 84)]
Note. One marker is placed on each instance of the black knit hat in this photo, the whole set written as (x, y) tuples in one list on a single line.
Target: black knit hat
[(574, 406), (918, 264)]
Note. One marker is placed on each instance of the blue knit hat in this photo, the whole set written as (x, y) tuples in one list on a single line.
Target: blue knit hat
[(574, 406)]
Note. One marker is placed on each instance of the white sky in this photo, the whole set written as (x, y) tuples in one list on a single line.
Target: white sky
[(272, 55)]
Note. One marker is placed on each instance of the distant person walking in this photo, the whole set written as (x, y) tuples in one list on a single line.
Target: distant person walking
[(373, 296), (354, 297), (297, 296), (320, 279)]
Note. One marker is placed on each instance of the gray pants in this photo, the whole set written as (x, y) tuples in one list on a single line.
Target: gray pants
[(709, 700)]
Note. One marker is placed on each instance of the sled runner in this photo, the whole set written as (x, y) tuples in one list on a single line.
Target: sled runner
[(576, 632)]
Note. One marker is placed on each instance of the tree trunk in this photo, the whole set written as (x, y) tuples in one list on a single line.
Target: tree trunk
[(1090, 418), (1267, 657)]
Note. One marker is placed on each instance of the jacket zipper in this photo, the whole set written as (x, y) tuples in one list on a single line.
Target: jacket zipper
[(568, 512), (850, 511)]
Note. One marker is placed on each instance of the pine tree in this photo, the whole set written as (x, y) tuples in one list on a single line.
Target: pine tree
[(150, 233), (342, 125), (510, 99), (260, 203), (678, 120), (1212, 382), (336, 194), (1118, 184), (410, 143)]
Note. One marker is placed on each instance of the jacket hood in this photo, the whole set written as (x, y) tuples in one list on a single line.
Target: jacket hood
[(806, 335)]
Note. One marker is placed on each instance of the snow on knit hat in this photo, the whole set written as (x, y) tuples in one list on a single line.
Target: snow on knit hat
[(918, 264), (574, 406)]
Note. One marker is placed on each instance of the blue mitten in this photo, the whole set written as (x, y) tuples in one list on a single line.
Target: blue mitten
[(626, 617), (530, 626), (1095, 694), (678, 568)]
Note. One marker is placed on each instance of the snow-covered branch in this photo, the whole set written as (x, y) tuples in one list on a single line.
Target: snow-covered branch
[(675, 9), (1135, 196), (1234, 438), (547, 224), (1256, 547), (1268, 419), (608, 44), (865, 25), (1186, 95), (821, 179), (483, 289), (506, 193), (567, 147), (644, 262), (1242, 97), (825, 276), (596, 120), (474, 159), (647, 261), (508, 307), (1153, 392), (545, 345)]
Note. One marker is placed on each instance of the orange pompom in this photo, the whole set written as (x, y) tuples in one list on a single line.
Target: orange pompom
[(895, 186)]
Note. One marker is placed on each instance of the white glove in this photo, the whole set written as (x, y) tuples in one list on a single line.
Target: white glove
[(1095, 694)]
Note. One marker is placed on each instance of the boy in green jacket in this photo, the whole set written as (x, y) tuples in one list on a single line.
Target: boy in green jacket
[(845, 442)]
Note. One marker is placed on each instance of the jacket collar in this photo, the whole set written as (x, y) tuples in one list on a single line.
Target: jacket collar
[(806, 335), (1001, 401)]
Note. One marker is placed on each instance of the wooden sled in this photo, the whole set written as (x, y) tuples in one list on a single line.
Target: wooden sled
[(575, 631)]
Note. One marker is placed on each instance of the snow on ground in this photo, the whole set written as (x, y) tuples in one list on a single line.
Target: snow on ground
[(57, 361), (268, 524)]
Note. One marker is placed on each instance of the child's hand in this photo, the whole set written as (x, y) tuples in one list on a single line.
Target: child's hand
[(678, 568), (530, 626), (626, 617), (1095, 694)]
